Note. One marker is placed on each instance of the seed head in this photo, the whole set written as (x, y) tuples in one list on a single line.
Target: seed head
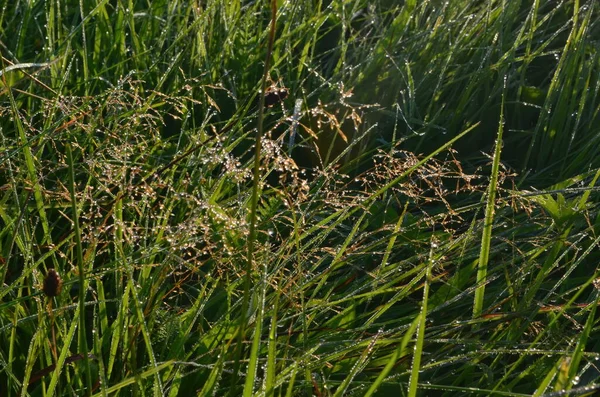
[(52, 283)]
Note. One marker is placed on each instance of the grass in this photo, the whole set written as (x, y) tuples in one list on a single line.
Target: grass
[(416, 215)]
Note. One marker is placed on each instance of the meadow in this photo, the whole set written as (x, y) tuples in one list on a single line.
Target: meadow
[(299, 198)]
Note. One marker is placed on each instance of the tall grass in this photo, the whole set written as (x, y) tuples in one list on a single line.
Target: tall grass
[(424, 221)]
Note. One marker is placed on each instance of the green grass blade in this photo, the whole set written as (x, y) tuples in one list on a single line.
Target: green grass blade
[(413, 384), (82, 337), (400, 352), (64, 353), (132, 380), (253, 360), (486, 238)]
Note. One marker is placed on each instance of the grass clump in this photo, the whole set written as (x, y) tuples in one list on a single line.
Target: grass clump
[(419, 216)]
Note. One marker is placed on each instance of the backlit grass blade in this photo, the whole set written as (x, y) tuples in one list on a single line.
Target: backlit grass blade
[(413, 384), (356, 368), (399, 352), (486, 238), (272, 351), (64, 353), (154, 371)]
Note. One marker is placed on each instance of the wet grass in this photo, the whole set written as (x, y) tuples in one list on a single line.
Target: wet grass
[(419, 218)]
